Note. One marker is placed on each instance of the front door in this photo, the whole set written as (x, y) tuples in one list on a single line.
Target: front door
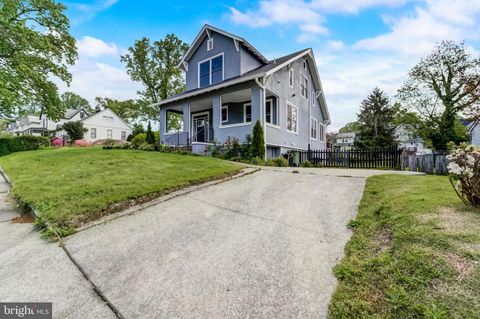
[(200, 127)]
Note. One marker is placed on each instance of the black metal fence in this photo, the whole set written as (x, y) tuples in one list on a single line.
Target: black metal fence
[(389, 158)]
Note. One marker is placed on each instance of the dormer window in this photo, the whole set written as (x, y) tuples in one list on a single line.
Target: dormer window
[(210, 71), (210, 44)]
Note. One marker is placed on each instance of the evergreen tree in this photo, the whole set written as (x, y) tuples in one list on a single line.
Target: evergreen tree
[(376, 122), (258, 142), (150, 139)]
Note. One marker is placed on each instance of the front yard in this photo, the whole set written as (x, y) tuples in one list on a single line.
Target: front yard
[(415, 253), (73, 185)]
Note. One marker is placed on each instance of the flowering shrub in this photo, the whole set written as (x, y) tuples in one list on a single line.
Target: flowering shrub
[(464, 173)]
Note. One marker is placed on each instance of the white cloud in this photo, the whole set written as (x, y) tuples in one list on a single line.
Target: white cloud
[(415, 34), (81, 12), (92, 77), (353, 6), (336, 44), (92, 47)]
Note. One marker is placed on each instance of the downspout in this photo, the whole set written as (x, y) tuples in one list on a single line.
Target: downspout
[(262, 114)]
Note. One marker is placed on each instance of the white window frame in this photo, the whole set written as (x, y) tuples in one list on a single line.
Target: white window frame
[(224, 107), (245, 112), (93, 132), (123, 135), (296, 117), (291, 77), (304, 81), (304, 64), (277, 113), (210, 59), (111, 134), (313, 128), (210, 44), (314, 98), (322, 132)]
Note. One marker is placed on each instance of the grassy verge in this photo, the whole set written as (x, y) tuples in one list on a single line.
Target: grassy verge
[(414, 253), (73, 185)]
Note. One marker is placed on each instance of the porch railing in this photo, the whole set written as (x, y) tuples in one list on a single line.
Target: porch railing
[(177, 139)]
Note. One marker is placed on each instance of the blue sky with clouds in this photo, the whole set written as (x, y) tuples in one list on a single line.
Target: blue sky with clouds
[(358, 44)]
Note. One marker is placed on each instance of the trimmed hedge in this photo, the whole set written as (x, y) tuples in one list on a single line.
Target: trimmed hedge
[(21, 143)]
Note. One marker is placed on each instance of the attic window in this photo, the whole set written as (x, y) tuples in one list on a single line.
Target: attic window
[(210, 44), (305, 64)]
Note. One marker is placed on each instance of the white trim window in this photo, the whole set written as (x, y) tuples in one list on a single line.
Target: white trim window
[(124, 136), (314, 98), (271, 112), (210, 71), (304, 86), (210, 44), (93, 132), (291, 77), (322, 132), (109, 134), (292, 118), (304, 64), (247, 113), (313, 128), (225, 114)]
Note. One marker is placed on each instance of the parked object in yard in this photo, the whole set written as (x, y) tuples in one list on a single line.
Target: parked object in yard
[(230, 85)]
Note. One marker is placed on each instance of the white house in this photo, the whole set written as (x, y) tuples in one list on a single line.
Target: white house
[(101, 125), (474, 131), (407, 140), (344, 141)]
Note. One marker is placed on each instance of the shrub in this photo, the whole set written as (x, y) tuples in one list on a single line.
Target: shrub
[(307, 163), (464, 173), (233, 148), (150, 137), (139, 139), (280, 161), (75, 130), (257, 161), (246, 150), (215, 150), (109, 141), (258, 142), (21, 143), (146, 147)]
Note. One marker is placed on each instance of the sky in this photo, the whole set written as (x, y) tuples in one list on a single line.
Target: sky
[(358, 44)]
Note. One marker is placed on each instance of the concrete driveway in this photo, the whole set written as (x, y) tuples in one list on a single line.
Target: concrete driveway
[(259, 246)]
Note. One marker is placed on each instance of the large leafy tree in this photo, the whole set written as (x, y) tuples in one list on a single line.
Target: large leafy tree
[(35, 46), (376, 122), (128, 110), (350, 127), (74, 101), (442, 86), (155, 66)]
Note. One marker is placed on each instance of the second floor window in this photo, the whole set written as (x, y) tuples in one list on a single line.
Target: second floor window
[(271, 112), (291, 118), (210, 71), (304, 86), (313, 128)]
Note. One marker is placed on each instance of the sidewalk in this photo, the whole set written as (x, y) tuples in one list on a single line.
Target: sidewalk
[(33, 270)]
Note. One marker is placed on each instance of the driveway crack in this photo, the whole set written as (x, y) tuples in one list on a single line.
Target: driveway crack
[(256, 216)]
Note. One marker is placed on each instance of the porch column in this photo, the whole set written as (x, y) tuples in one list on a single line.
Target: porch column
[(163, 123), (216, 113), (186, 118), (257, 104)]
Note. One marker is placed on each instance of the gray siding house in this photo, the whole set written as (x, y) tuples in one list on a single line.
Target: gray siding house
[(230, 85)]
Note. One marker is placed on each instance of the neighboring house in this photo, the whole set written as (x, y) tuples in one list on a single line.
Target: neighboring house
[(474, 131), (230, 85), (344, 141), (101, 125), (407, 140)]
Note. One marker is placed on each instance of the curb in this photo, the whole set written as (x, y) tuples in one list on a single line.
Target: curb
[(135, 208)]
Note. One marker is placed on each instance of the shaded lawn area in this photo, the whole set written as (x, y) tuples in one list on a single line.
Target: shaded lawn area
[(74, 185), (415, 253)]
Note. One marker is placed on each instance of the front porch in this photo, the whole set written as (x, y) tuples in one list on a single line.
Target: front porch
[(201, 120)]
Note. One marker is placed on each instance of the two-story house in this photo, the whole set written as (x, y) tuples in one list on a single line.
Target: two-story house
[(230, 85), (344, 141)]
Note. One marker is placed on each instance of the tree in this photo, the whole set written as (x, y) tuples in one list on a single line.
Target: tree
[(75, 130), (74, 101), (128, 110), (137, 129), (155, 66), (35, 47), (258, 143), (376, 122), (350, 127), (443, 85), (150, 138)]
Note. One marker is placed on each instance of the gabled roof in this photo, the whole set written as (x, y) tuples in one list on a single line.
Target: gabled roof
[(205, 32), (69, 113), (263, 71), (105, 109)]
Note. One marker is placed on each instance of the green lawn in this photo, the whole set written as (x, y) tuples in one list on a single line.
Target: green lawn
[(73, 185), (415, 253)]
